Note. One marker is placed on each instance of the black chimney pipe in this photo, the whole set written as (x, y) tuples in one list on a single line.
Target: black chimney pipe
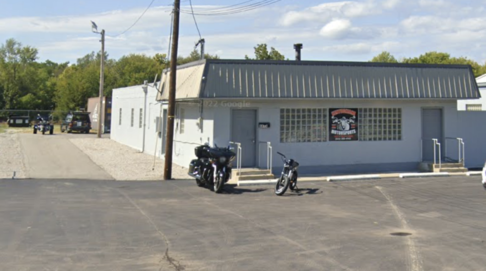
[(297, 47)]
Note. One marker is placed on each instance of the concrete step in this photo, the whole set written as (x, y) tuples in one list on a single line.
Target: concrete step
[(256, 177), (431, 167), (449, 165), (253, 171), (453, 169)]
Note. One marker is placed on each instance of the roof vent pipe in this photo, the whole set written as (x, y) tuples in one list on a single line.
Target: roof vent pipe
[(201, 41), (297, 47)]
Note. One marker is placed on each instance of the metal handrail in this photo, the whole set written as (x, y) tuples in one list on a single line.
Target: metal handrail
[(460, 149), (437, 144), (269, 153), (238, 156), (463, 152)]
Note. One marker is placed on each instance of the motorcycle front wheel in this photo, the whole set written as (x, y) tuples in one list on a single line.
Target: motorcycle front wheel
[(293, 182), (199, 182), (282, 185), (218, 184)]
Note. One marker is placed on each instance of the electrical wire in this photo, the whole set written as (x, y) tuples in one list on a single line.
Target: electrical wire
[(193, 16), (233, 9), (143, 13)]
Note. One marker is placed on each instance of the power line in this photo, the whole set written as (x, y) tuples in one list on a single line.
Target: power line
[(193, 16), (233, 9), (143, 13)]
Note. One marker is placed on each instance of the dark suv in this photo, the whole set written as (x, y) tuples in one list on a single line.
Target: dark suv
[(76, 121)]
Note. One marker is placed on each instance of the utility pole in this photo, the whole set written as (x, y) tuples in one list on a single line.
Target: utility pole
[(102, 81), (172, 93)]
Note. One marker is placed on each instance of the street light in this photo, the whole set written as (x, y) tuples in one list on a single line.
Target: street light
[(94, 28)]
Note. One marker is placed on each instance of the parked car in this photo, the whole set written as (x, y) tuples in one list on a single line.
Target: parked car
[(44, 124), (76, 121)]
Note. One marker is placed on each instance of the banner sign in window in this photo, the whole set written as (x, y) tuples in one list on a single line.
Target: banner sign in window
[(343, 124)]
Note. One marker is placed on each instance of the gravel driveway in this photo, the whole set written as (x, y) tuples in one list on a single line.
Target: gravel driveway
[(120, 161)]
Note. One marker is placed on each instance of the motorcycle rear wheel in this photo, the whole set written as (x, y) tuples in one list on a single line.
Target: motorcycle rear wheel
[(282, 185), (218, 184)]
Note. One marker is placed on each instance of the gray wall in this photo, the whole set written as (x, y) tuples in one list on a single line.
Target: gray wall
[(331, 157), (471, 126)]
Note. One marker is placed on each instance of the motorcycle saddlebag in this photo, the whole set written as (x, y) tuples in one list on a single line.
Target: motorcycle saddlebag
[(194, 166)]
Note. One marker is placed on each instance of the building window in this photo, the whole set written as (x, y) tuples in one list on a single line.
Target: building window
[(132, 117), (120, 117), (140, 119), (380, 124), (303, 125), (474, 107), (181, 117)]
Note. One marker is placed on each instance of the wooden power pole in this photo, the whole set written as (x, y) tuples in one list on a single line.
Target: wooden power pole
[(172, 93)]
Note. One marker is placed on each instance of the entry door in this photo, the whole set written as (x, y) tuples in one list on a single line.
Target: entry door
[(164, 129), (243, 130), (431, 128)]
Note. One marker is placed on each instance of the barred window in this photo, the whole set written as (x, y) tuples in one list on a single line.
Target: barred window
[(379, 124), (120, 117), (140, 118), (181, 120), (132, 117), (474, 107), (303, 125)]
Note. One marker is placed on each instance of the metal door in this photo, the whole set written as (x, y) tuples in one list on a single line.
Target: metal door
[(431, 128), (243, 130)]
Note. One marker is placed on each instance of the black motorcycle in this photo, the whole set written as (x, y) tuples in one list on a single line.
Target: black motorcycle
[(289, 175), (212, 167)]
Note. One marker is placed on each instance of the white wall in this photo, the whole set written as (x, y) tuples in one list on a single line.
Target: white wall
[(325, 156), (193, 135), (461, 104), (126, 99)]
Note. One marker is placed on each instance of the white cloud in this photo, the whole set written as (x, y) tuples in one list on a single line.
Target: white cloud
[(336, 29), (391, 4), (325, 12)]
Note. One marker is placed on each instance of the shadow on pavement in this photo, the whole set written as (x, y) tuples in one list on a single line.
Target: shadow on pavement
[(233, 189)]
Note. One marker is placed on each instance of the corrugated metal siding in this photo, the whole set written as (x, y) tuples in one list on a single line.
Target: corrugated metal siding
[(237, 79), (310, 79), (188, 82)]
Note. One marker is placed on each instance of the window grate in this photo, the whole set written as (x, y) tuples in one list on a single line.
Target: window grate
[(303, 125), (380, 124)]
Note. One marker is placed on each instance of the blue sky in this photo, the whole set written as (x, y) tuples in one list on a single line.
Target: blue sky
[(329, 30)]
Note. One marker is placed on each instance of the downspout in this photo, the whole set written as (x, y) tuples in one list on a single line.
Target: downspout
[(145, 89)]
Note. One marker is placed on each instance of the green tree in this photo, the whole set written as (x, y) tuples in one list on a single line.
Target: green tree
[(135, 69), (262, 53), (384, 57), (194, 56), (444, 58), (17, 68), (433, 58)]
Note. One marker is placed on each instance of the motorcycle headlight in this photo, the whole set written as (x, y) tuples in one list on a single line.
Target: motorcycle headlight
[(222, 159)]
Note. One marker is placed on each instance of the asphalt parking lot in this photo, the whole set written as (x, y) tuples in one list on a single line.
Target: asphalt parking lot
[(389, 224)]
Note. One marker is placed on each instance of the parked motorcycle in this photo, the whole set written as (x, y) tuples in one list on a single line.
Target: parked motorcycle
[(44, 125), (288, 177), (212, 167), (484, 176)]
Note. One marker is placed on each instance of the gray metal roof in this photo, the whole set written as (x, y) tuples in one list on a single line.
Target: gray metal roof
[(316, 79)]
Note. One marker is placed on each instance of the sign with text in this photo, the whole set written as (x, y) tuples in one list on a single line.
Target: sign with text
[(264, 125), (343, 124)]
